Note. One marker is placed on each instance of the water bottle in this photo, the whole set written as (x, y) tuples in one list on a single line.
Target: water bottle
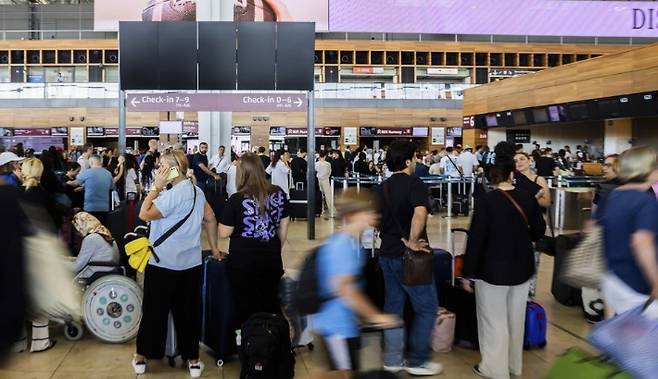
[(238, 337)]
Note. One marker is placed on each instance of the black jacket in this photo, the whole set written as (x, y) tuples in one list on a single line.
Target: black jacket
[(298, 166), (499, 249)]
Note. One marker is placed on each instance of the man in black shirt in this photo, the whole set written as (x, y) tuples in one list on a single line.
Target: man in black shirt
[(200, 167), (299, 166), (263, 157), (404, 208), (546, 164), (337, 164)]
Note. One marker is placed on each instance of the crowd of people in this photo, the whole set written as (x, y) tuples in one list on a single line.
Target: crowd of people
[(500, 261)]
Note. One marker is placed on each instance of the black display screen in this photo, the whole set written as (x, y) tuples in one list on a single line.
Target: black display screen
[(539, 115)]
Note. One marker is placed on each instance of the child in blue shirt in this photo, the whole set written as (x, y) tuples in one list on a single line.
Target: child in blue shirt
[(340, 264)]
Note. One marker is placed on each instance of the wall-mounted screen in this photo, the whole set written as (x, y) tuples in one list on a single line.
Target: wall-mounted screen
[(609, 108), (539, 115), (491, 120), (578, 112), (150, 132), (519, 118), (95, 132), (505, 118), (171, 127), (420, 132)]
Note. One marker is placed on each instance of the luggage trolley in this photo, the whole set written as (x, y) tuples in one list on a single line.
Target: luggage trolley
[(111, 305)]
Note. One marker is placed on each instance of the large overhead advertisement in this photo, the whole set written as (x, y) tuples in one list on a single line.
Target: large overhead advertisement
[(108, 13), (498, 17)]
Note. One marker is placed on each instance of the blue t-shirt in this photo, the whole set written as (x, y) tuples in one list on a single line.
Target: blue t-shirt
[(98, 183), (200, 175), (10, 179), (182, 250), (340, 256), (627, 212)]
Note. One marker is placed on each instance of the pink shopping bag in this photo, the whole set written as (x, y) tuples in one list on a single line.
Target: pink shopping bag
[(443, 335)]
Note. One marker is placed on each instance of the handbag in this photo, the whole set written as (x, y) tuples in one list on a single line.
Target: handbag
[(443, 335), (546, 244), (630, 339), (576, 363), (584, 265), (416, 265), (141, 249)]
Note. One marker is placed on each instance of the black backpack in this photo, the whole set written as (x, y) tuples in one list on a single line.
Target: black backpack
[(306, 299), (266, 350)]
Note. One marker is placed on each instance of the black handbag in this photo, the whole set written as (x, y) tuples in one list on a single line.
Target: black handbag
[(417, 266), (546, 244)]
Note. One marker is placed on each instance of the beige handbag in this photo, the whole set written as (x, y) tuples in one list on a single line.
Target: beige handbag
[(585, 264)]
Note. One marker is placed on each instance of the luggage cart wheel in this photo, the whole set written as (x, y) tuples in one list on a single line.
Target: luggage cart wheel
[(172, 361), (220, 363), (310, 347), (73, 331)]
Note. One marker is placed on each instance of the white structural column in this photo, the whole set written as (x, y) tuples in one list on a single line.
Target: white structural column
[(618, 134), (215, 127)]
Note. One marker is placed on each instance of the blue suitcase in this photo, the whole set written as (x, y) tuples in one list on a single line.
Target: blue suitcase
[(217, 331), (535, 327)]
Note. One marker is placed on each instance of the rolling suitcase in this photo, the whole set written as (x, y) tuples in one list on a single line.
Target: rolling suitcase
[(217, 329), (456, 300), (535, 327), (300, 331), (299, 202), (563, 293), (216, 194)]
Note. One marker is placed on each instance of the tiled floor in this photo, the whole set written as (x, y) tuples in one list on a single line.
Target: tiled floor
[(90, 358)]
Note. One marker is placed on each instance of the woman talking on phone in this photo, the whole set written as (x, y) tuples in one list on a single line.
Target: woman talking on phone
[(173, 283)]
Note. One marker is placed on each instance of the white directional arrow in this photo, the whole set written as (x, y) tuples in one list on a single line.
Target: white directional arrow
[(299, 102), (134, 102)]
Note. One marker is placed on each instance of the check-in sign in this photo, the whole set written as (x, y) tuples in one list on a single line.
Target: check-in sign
[(216, 102)]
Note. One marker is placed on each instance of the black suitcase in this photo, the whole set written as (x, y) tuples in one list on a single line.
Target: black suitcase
[(462, 304), (266, 350), (563, 293), (216, 194), (299, 203), (217, 323)]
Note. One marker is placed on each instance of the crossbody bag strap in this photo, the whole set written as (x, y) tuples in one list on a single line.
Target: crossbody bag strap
[(180, 223), (516, 205), (457, 167)]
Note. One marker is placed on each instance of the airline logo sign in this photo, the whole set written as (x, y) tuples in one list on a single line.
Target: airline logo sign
[(219, 102), (469, 122)]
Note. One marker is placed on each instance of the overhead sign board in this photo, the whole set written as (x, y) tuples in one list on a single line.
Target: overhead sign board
[(219, 102)]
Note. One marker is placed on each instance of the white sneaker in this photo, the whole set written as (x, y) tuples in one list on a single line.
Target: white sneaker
[(196, 369), (139, 367), (426, 369), (394, 369)]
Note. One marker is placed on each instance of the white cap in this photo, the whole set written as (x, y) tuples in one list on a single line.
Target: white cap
[(8, 157)]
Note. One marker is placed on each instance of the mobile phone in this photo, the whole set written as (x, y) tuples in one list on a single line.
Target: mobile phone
[(173, 173)]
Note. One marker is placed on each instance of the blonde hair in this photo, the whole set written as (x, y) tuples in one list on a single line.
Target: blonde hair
[(32, 169), (353, 201), (177, 159), (636, 164)]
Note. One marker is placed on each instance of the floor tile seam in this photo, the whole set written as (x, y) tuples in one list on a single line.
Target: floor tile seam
[(62, 361)]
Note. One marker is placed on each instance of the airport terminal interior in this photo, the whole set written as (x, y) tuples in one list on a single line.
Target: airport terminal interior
[(328, 99)]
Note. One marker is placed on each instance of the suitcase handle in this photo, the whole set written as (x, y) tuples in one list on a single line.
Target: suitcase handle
[(459, 230)]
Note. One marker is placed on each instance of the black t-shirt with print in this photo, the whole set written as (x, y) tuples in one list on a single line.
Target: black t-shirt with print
[(254, 234), (405, 193)]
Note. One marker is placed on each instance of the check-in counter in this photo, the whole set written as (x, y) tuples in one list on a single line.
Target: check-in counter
[(568, 205)]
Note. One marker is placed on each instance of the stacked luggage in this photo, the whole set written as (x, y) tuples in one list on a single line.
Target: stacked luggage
[(299, 202)]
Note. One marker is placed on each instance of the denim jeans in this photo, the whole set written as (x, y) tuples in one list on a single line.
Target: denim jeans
[(424, 301)]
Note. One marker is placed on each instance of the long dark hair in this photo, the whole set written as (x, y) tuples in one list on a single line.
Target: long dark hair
[(251, 180), (277, 157), (147, 169)]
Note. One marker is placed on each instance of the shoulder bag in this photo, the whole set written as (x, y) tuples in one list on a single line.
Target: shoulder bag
[(517, 206), (416, 265), (139, 250)]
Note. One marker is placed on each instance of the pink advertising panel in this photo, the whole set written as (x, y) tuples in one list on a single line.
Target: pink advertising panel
[(499, 17)]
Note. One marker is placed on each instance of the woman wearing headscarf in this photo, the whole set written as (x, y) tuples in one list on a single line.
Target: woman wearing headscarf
[(97, 245)]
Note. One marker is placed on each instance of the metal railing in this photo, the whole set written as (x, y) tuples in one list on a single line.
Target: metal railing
[(12, 91), (322, 91), (425, 91), (439, 182)]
